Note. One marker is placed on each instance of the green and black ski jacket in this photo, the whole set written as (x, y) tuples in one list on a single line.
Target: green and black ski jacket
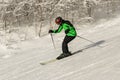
[(68, 27)]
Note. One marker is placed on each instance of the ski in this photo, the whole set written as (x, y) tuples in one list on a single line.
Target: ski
[(53, 60), (49, 61)]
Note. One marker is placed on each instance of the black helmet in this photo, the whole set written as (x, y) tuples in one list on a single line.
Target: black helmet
[(58, 20)]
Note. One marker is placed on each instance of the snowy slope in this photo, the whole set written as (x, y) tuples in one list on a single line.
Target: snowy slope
[(94, 63)]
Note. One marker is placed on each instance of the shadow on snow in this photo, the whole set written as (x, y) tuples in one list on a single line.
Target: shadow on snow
[(90, 46)]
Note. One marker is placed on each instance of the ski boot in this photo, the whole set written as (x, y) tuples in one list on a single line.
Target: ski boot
[(63, 55)]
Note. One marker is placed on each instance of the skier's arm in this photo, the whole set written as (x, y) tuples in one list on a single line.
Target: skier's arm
[(58, 30)]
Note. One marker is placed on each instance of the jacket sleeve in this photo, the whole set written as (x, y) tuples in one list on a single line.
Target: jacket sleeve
[(58, 30)]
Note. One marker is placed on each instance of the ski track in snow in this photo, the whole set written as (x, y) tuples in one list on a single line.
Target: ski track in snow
[(94, 63), (93, 66)]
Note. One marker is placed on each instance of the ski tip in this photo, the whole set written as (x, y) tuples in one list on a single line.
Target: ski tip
[(47, 62), (42, 63)]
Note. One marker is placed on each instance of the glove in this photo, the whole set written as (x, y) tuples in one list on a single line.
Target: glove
[(66, 31), (50, 31)]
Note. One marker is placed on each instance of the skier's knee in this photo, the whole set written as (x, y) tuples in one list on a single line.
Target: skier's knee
[(64, 43)]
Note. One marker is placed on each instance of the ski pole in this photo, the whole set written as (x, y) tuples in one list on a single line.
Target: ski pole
[(88, 40), (52, 40), (51, 33)]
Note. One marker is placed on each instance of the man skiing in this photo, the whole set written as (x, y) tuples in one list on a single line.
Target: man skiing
[(70, 35)]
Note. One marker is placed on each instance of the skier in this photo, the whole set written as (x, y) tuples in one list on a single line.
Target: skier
[(70, 35)]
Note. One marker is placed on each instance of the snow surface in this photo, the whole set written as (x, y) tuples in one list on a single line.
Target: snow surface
[(94, 63)]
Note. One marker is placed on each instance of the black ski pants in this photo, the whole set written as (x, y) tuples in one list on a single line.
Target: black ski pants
[(65, 42)]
